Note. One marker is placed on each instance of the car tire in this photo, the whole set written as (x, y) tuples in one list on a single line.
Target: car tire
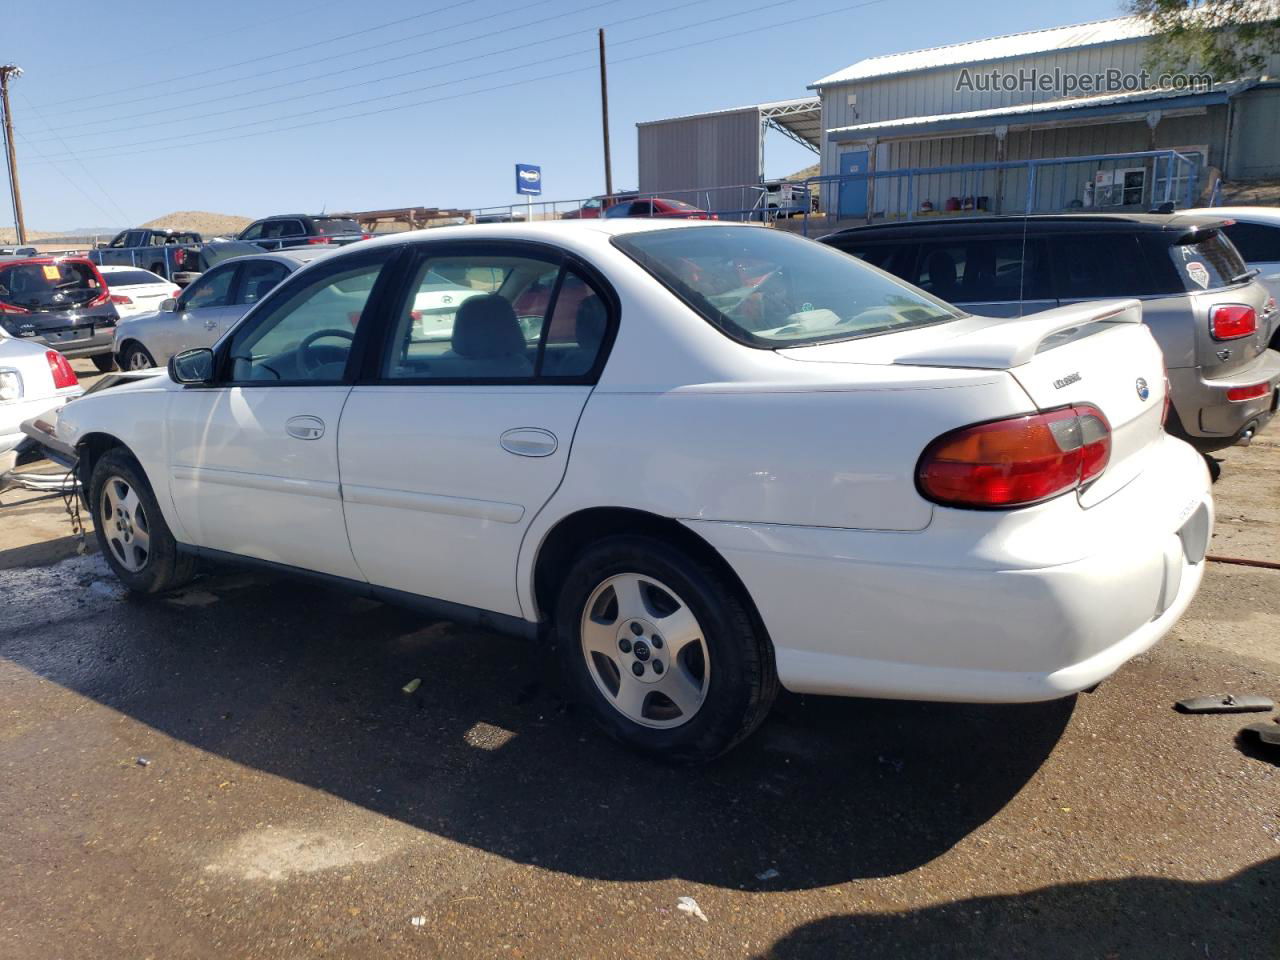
[(103, 362), (136, 357), (131, 530), (618, 598)]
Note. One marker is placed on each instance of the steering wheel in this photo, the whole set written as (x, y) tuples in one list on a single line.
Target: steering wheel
[(306, 361)]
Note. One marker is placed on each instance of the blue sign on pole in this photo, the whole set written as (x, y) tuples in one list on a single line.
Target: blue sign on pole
[(528, 179)]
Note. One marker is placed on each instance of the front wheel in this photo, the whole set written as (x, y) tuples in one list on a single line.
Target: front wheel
[(136, 357), (131, 530), (664, 649)]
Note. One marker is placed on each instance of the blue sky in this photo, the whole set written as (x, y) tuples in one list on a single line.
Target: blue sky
[(150, 110)]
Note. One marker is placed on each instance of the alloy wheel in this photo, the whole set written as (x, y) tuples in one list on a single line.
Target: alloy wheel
[(124, 523), (645, 651)]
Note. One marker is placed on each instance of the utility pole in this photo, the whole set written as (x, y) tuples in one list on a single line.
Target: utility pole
[(604, 119), (8, 71)]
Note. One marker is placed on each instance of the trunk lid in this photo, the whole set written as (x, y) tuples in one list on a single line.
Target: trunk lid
[(1095, 353)]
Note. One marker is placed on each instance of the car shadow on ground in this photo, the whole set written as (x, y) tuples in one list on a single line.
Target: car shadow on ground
[(306, 683), (1131, 918)]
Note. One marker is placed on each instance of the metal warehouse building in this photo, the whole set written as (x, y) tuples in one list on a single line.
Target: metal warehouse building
[(966, 126)]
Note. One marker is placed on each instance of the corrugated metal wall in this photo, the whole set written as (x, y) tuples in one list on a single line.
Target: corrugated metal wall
[(1255, 135), (693, 154)]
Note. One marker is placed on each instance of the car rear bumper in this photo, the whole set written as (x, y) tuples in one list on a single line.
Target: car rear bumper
[(100, 341), (1043, 604), (1209, 420)]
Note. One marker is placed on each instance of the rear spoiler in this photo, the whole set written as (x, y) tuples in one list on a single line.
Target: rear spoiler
[(1003, 344)]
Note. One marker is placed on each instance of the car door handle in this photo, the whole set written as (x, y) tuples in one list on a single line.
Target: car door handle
[(305, 427), (529, 442), (210, 323)]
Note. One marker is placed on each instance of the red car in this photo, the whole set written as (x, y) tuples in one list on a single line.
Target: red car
[(658, 207), (592, 209)]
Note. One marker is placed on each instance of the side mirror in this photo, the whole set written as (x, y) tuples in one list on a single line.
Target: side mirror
[(169, 305), (192, 366)]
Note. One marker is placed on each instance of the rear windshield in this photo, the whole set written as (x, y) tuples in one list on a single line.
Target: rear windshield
[(130, 278), (331, 226), (1208, 263), (767, 288), (42, 285)]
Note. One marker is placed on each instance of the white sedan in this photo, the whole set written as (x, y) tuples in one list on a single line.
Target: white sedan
[(33, 380), (135, 291), (720, 459)]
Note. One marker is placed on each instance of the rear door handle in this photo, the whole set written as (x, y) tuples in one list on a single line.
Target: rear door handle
[(529, 442), (305, 427)]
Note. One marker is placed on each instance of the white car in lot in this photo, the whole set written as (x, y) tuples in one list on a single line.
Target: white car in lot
[(135, 291), (727, 458), (33, 381)]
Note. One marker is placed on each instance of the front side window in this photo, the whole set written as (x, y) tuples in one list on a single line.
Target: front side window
[(772, 289), (495, 317), (211, 290), (1098, 265), (306, 335), (252, 232)]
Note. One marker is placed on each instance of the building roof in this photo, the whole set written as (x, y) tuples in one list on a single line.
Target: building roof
[(993, 48), (1065, 109)]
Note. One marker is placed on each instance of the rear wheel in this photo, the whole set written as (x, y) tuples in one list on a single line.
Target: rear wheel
[(136, 357), (664, 649), (104, 362), (131, 531)]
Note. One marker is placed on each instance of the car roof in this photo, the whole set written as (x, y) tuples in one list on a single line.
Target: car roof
[(293, 257), (1260, 214), (7, 261), (122, 267), (1040, 224)]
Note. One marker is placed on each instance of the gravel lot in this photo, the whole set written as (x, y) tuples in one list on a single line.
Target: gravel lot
[(235, 771)]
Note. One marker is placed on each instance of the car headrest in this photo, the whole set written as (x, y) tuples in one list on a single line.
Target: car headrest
[(486, 327), (942, 273)]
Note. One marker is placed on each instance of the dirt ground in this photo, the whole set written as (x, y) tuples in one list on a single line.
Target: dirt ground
[(235, 771)]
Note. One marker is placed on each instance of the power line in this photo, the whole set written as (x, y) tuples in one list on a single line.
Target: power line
[(328, 108), (394, 76), (79, 162), (266, 56), (62, 173), (503, 86)]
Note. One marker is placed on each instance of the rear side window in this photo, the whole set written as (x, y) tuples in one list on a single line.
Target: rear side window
[(1209, 263), (1098, 265), (1256, 242), (984, 270), (258, 277), (39, 286)]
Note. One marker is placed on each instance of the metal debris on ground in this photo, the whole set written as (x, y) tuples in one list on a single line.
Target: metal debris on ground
[(690, 906), (1225, 703), (1268, 733), (412, 685), (770, 874), (142, 762)]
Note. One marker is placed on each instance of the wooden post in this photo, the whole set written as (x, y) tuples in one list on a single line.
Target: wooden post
[(604, 119), (7, 71)]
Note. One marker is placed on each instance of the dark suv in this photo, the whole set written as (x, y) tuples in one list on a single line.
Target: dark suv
[(299, 229), (1206, 309), (62, 302)]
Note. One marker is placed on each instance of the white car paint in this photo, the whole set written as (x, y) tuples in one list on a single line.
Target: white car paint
[(133, 298), (26, 389), (796, 465)]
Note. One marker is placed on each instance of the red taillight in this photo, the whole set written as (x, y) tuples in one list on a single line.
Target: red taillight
[(1230, 321), (179, 257), (9, 308), (1251, 392), (60, 367), (366, 236), (1016, 462), (120, 299), (317, 239)]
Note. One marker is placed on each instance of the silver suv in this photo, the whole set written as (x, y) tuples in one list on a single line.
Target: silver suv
[(1205, 307)]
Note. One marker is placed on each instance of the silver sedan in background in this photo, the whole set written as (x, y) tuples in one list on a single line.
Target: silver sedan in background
[(207, 308)]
